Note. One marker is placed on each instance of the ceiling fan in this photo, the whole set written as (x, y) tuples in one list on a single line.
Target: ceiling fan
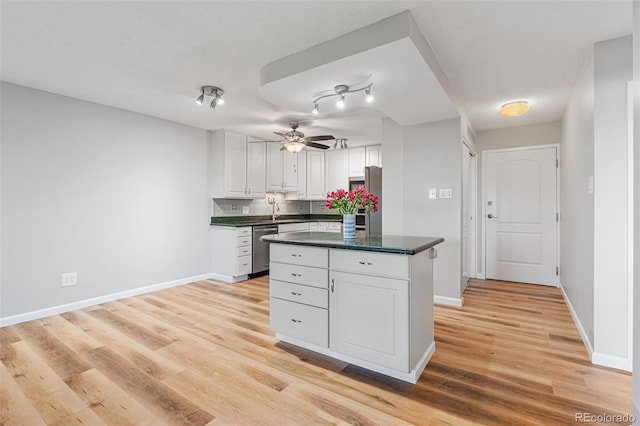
[(294, 140)]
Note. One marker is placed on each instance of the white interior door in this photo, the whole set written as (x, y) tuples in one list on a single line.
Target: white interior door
[(520, 215)]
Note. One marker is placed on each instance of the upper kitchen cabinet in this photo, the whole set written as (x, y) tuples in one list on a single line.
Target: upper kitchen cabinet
[(315, 175), (374, 156), (337, 170), (282, 169), (302, 175), (356, 162), (238, 167)]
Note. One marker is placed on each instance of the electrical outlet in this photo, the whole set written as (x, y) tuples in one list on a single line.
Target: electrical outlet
[(234, 207), (69, 279), (432, 194), (443, 193), (245, 209), (448, 193)]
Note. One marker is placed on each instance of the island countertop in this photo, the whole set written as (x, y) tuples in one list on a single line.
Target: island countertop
[(399, 244)]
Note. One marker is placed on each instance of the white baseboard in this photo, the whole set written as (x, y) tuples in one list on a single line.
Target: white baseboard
[(585, 338), (480, 276), (611, 361), (449, 301), (54, 310)]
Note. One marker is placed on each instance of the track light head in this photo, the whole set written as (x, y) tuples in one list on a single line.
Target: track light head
[(340, 103), (369, 97), (315, 109), (214, 91)]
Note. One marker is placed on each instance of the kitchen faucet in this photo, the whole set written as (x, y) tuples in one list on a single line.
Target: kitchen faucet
[(275, 207)]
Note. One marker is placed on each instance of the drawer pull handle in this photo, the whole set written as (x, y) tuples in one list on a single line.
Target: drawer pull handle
[(245, 264), (365, 263), (295, 320), (296, 255), (332, 286), (296, 294), (296, 275)]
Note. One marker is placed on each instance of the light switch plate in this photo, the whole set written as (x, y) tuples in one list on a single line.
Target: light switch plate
[(443, 193), (448, 193), (590, 186), (432, 194)]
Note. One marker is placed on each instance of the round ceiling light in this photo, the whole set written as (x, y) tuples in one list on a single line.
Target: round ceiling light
[(514, 109)]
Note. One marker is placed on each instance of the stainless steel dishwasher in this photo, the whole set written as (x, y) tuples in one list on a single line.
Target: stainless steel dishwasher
[(261, 248)]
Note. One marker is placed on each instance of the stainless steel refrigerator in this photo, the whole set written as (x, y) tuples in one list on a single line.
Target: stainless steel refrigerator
[(373, 183)]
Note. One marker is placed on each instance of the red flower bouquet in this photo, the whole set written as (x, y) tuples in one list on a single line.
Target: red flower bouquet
[(349, 202)]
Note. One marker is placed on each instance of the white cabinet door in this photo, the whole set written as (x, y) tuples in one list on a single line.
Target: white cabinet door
[(337, 170), (256, 169), (369, 318), (274, 167), (374, 156), (289, 171), (315, 175), (302, 175), (356, 162), (235, 164)]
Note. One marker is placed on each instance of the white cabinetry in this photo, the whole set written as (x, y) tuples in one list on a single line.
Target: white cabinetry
[(371, 321), (374, 156), (315, 175), (337, 170), (282, 173), (302, 175), (335, 227), (298, 293), (356, 162), (238, 170), (293, 227), (232, 252)]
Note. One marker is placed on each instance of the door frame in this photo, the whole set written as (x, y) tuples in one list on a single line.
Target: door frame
[(484, 197), (473, 209)]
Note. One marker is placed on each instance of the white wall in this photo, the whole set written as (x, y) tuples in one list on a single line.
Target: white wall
[(576, 205), (613, 68), (433, 159), (118, 197), (510, 137), (392, 177), (636, 187)]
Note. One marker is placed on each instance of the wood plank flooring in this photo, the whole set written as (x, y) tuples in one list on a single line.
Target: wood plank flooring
[(203, 354)]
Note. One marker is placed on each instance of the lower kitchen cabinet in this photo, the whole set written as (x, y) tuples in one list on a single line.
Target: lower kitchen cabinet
[(232, 252), (369, 319)]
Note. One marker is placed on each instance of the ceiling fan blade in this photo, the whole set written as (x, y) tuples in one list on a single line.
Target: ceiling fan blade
[(319, 138), (279, 134), (315, 145), (283, 148)]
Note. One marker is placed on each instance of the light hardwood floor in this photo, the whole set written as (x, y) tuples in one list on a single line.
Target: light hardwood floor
[(203, 353)]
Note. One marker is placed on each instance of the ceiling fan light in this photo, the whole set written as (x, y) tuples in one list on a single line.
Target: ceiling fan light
[(340, 103), (514, 109), (294, 147)]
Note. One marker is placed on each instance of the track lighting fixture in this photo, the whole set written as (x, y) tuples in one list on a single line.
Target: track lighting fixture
[(341, 90), (340, 143), (214, 91)]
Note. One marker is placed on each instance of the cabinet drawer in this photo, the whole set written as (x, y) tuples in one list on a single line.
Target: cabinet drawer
[(316, 277), (244, 231), (314, 296), (303, 322), (365, 262), (243, 251), (293, 227), (244, 266), (244, 241), (300, 255)]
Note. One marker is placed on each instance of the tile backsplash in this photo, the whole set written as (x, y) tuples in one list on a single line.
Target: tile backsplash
[(258, 207)]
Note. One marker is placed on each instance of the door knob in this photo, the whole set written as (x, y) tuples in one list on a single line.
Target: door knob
[(490, 216)]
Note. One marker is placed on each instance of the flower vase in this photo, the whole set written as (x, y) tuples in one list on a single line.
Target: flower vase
[(349, 226)]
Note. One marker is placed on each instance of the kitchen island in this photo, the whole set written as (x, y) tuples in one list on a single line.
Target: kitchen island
[(366, 301)]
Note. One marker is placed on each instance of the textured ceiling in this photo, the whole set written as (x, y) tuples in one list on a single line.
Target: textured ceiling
[(152, 57)]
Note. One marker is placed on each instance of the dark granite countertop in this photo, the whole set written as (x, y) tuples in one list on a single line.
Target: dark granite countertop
[(238, 221), (400, 244)]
